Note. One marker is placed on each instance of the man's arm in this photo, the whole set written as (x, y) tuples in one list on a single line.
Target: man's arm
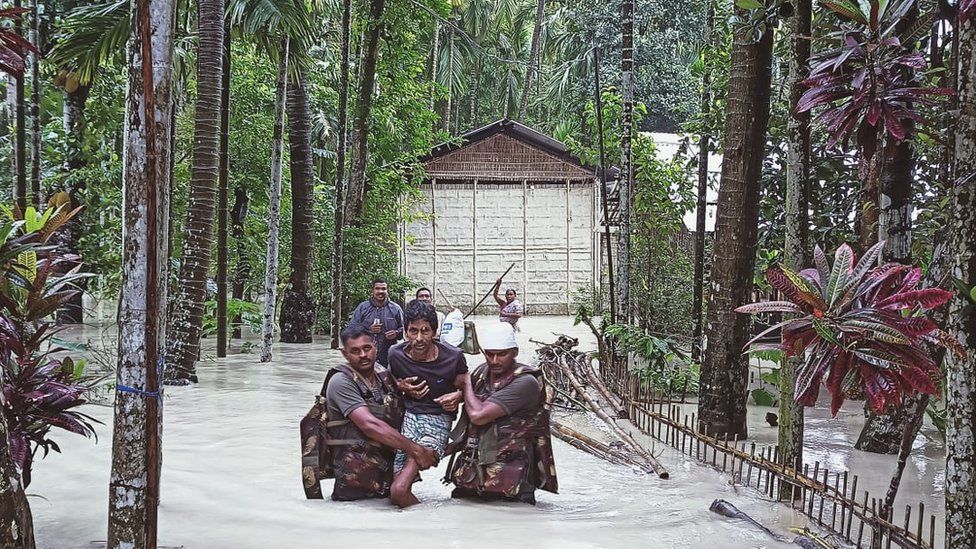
[(479, 412), (379, 431), (357, 314)]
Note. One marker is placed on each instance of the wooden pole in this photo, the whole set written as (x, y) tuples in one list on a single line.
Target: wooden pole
[(478, 304), (600, 413)]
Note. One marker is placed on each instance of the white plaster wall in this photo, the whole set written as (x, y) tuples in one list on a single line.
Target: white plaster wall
[(472, 250)]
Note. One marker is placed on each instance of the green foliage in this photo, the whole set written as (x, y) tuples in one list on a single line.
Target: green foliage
[(250, 314), (668, 366)]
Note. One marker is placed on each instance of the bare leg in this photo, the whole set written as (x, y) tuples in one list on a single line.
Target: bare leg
[(401, 492)]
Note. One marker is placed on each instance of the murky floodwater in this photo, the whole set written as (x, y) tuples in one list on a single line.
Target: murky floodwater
[(231, 479)]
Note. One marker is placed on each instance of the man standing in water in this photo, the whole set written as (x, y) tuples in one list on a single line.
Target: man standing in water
[(382, 317), (428, 371), (364, 415), (505, 450)]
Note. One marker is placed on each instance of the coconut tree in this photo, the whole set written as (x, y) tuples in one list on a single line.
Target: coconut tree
[(298, 306), (724, 371), (136, 455), (186, 319)]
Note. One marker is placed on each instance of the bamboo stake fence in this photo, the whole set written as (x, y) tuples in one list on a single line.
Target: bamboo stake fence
[(830, 499)]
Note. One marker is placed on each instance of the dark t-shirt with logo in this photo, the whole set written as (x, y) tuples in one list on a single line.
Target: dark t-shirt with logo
[(439, 374)]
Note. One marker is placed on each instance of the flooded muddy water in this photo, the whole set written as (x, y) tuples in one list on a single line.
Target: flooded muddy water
[(231, 478)]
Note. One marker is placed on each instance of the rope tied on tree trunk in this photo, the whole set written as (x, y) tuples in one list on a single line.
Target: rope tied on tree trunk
[(157, 394)]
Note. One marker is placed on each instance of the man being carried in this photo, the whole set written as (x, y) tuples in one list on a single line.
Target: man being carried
[(364, 416), (503, 436), (427, 370), (382, 317)]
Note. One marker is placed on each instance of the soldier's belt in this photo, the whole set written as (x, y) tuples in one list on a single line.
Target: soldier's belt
[(351, 441)]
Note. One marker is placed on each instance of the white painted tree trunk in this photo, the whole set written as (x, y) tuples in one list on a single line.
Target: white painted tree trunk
[(274, 212), (960, 495), (136, 454)]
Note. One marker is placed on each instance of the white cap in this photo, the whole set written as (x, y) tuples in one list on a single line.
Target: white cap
[(498, 337)]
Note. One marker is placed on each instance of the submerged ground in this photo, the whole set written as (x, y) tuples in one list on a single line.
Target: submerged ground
[(231, 477)]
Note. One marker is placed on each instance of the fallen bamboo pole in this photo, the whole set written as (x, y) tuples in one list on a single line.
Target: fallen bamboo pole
[(594, 381), (595, 447), (602, 414)]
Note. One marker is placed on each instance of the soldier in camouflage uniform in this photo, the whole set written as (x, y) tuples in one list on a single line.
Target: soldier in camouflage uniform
[(352, 433), (503, 446)]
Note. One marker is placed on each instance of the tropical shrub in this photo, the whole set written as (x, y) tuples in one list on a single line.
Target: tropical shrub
[(41, 388), (859, 329)]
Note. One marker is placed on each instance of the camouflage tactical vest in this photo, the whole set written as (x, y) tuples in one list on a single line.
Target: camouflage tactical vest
[(509, 457), (336, 448)]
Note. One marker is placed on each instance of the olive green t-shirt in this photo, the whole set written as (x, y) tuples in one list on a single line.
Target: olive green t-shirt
[(520, 398)]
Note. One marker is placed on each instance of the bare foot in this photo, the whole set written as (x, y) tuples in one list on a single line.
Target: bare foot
[(402, 496)]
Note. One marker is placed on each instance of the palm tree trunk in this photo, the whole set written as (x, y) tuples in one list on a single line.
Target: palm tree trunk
[(701, 205), (724, 371), (340, 181), (358, 184), (138, 419), (222, 198), (298, 306), (626, 163), (183, 348), (435, 59), (20, 139), (242, 270), (960, 495), (796, 254), (73, 119), (35, 107), (449, 103), (274, 211), (883, 433), (532, 67), (16, 523)]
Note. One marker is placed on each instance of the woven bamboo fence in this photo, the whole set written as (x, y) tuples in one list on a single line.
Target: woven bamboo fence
[(829, 498)]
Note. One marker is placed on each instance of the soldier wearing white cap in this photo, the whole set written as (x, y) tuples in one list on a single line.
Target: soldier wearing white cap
[(503, 442)]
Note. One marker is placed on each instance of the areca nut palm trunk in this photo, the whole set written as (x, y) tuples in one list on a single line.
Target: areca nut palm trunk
[(222, 190), (73, 118), (186, 322), (274, 210), (724, 371), (358, 184), (297, 305), (451, 52), (626, 182), (35, 106), (340, 181), (532, 68), (960, 498), (796, 246), (136, 450), (20, 130)]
